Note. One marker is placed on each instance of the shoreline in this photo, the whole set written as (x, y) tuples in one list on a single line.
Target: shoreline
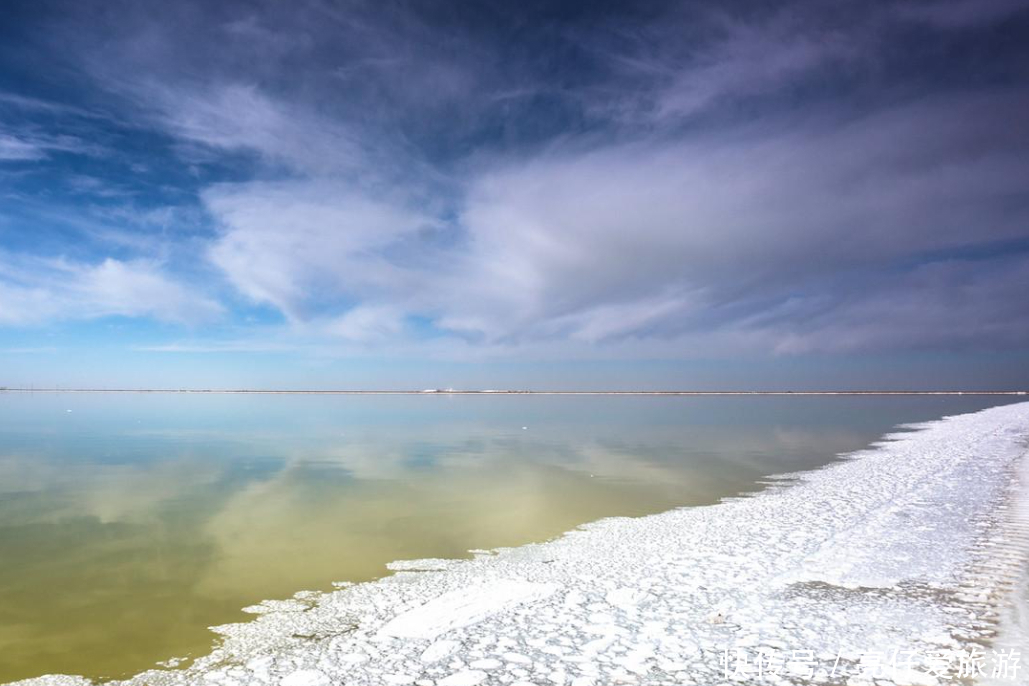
[(451, 391), (889, 547), (1010, 557)]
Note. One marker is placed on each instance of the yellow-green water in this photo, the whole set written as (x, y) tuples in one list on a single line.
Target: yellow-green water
[(129, 524)]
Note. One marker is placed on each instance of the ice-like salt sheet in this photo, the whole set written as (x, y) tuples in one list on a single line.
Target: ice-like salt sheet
[(899, 565), (463, 607)]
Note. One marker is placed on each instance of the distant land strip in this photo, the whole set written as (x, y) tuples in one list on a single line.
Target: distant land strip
[(451, 391)]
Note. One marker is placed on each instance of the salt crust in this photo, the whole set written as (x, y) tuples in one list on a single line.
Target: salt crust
[(916, 544)]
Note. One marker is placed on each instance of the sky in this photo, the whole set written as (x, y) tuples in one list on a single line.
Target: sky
[(542, 194)]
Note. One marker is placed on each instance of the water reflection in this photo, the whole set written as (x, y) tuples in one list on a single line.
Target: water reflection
[(130, 524)]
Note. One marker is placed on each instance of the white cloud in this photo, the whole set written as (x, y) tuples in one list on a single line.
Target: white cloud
[(302, 245), (660, 240), (138, 288), (30, 145), (367, 324), (661, 224), (14, 148), (239, 116), (750, 61), (749, 218), (39, 290)]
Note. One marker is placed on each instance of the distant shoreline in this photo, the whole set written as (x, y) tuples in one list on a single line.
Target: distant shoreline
[(450, 391)]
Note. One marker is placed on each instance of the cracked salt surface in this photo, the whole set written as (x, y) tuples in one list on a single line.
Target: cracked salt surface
[(914, 545)]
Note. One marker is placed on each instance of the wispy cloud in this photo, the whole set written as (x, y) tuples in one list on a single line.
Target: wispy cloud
[(36, 290), (786, 180), (16, 146), (240, 117), (304, 246), (23, 138)]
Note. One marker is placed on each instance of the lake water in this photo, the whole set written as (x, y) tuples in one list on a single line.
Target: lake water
[(130, 523)]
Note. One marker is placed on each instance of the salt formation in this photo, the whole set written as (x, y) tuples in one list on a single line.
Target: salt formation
[(898, 565)]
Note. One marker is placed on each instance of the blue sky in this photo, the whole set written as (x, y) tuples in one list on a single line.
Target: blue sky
[(496, 194)]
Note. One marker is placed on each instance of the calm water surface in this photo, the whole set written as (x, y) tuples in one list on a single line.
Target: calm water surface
[(130, 523)]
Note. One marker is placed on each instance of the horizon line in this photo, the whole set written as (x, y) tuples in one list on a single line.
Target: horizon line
[(453, 391)]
